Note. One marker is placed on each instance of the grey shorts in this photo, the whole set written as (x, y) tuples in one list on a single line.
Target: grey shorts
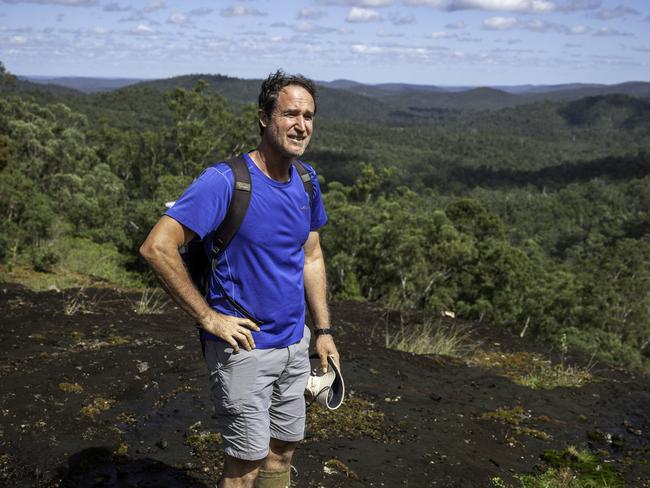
[(258, 395)]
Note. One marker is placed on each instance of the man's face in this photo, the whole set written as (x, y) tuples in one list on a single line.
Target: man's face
[(289, 128)]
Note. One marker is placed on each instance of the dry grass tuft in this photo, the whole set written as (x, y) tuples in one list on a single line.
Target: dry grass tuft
[(151, 303), (429, 339)]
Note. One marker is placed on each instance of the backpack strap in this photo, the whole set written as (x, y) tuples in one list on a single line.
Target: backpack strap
[(241, 197), (306, 180)]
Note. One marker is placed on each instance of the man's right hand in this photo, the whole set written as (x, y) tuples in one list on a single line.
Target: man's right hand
[(235, 331)]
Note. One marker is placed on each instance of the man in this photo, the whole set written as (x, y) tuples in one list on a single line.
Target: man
[(257, 374)]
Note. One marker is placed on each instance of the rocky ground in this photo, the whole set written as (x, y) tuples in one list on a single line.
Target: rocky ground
[(95, 394)]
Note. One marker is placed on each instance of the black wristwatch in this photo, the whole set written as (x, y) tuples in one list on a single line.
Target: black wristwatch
[(327, 331)]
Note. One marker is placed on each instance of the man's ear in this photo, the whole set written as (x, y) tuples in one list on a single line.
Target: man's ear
[(263, 118)]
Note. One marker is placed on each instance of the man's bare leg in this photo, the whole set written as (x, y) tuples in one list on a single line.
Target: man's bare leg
[(276, 468), (239, 473)]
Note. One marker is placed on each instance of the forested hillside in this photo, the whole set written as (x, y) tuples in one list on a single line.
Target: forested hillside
[(534, 217)]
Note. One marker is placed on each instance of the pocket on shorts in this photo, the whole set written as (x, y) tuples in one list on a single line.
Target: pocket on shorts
[(232, 378)]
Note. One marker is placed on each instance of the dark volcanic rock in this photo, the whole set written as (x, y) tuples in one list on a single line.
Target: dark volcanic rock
[(106, 397)]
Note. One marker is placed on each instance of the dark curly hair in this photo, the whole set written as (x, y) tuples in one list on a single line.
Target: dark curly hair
[(275, 82)]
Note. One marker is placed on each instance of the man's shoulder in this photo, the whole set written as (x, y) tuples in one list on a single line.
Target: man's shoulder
[(310, 169), (217, 173)]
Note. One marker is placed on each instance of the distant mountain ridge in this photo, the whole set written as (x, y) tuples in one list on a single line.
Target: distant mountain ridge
[(347, 100), (82, 83)]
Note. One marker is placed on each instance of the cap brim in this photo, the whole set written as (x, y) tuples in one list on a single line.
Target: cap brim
[(326, 389), (337, 390)]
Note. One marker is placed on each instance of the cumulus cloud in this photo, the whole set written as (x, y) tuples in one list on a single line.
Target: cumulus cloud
[(607, 32), (359, 15), (401, 50), (614, 13), (18, 40), (143, 29), (440, 35), (500, 23), (310, 14), (578, 29), (533, 25), (241, 11), (502, 5), (177, 18)]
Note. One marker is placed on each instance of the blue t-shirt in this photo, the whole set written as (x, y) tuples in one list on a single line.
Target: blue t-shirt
[(262, 268)]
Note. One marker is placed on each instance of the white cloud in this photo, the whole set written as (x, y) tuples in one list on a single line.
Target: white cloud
[(579, 29), (241, 11), (440, 35), (311, 28), (456, 25), (177, 18), (607, 32), (502, 5), (500, 23), (365, 49), (100, 30), (18, 40), (143, 29), (533, 25), (357, 14), (619, 11), (311, 14), (154, 5)]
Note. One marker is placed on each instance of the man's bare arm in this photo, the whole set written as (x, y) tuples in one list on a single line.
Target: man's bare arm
[(316, 292), (160, 249)]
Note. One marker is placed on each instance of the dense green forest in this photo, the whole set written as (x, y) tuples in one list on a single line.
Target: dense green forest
[(533, 217)]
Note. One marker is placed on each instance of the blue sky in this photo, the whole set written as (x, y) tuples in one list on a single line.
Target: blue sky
[(441, 42)]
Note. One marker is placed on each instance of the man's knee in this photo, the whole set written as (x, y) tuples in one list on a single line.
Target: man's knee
[(280, 455), (239, 472)]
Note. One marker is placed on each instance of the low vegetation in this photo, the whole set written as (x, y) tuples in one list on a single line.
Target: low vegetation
[(533, 218), (571, 468), (356, 418)]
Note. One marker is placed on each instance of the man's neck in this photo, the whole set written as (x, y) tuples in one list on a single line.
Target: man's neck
[(272, 165)]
